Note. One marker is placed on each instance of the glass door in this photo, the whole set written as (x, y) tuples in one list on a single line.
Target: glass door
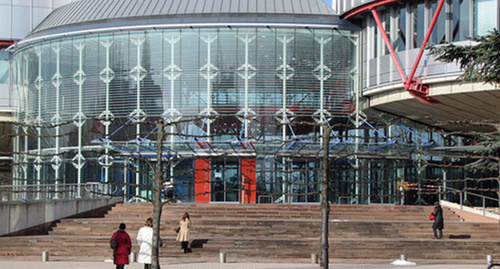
[(225, 184), (304, 182)]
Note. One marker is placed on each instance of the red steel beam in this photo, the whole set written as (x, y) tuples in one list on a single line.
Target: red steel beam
[(426, 39), (389, 46), (414, 86), (366, 8), (6, 43)]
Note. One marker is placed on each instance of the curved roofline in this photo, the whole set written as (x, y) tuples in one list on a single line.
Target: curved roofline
[(35, 39), (195, 19), (90, 12)]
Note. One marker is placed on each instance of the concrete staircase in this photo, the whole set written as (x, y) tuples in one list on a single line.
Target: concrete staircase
[(275, 232)]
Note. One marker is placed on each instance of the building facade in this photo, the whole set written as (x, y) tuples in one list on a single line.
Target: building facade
[(246, 88), (237, 77), (17, 18)]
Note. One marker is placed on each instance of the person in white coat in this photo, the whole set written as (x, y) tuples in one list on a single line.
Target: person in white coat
[(145, 240)]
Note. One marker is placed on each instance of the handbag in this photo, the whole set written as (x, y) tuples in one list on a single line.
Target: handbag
[(432, 217), (178, 229)]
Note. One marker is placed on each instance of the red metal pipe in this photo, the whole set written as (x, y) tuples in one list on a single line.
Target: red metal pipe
[(424, 43), (366, 7), (389, 46), (6, 43)]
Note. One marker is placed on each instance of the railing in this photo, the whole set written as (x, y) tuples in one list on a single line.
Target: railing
[(45, 192), (463, 197), (348, 200)]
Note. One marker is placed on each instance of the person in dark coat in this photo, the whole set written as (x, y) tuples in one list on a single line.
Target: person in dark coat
[(438, 221), (123, 247)]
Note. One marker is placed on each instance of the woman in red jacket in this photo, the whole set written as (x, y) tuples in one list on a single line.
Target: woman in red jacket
[(123, 247)]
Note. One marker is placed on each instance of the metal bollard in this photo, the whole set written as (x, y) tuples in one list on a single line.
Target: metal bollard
[(222, 257), (45, 256), (489, 259), (314, 258), (133, 256), (402, 257)]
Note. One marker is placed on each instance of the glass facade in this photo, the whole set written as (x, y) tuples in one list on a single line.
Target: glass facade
[(485, 16), (221, 84), (4, 66), (458, 21)]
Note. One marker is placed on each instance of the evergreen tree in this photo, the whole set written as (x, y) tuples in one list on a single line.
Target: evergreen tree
[(480, 61)]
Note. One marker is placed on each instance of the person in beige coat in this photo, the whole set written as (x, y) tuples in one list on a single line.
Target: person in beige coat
[(183, 235)]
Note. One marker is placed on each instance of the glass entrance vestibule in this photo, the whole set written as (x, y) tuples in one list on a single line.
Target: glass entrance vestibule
[(280, 180)]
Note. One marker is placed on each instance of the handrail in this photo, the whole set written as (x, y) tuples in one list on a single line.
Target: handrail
[(461, 193), (349, 200), (61, 191)]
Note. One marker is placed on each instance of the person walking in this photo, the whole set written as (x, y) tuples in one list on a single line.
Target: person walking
[(122, 246), (183, 235), (145, 241), (438, 224)]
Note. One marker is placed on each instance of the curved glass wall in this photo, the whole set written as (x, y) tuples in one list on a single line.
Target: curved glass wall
[(406, 25), (236, 83)]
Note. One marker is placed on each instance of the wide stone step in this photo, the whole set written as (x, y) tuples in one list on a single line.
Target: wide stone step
[(274, 231)]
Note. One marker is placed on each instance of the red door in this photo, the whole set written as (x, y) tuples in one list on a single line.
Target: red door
[(248, 180), (202, 181)]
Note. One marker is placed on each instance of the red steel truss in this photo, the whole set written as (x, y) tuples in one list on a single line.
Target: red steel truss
[(413, 85)]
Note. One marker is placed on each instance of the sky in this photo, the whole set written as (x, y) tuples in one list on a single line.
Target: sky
[(329, 2)]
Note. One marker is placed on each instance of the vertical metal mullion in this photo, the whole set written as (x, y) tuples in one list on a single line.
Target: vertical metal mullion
[(26, 120), (38, 121), (79, 118), (209, 85), (246, 86), (172, 79)]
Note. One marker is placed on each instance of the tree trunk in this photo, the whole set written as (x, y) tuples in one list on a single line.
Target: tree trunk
[(325, 205), (158, 187), (157, 208)]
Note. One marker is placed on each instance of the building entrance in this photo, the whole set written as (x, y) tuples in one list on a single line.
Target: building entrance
[(304, 179), (225, 185)]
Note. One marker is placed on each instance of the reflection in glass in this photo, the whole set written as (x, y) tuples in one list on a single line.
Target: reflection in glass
[(418, 13), (485, 16), (401, 31), (461, 20), (184, 74), (438, 35)]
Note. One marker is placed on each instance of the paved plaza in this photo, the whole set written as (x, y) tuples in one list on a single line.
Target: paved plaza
[(190, 263)]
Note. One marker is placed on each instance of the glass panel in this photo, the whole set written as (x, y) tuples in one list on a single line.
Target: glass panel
[(4, 67), (418, 13), (184, 184), (375, 39), (225, 186), (485, 16), (438, 35), (304, 187), (461, 20), (401, 32), (232, 181), (385, 17)]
